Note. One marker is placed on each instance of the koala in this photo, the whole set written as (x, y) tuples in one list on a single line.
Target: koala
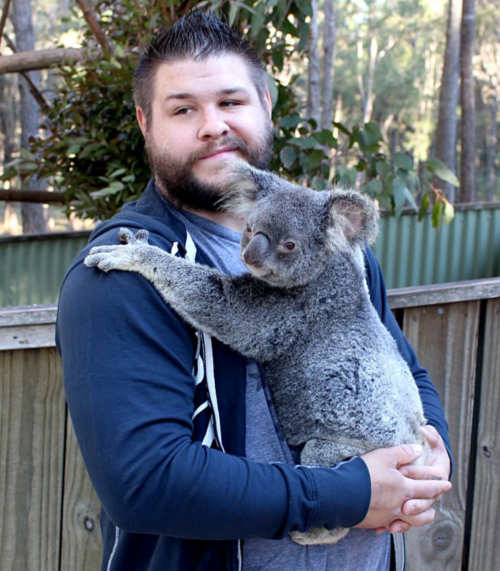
[(338, 382)]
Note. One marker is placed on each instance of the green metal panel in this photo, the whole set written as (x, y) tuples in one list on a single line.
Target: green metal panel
[(413, 253), (32, 267), (410, 252)]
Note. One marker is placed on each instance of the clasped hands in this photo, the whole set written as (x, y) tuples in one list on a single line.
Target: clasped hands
[(403, 493)]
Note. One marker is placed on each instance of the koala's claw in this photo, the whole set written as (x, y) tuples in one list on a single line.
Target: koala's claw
[(127, 237), (99, 258), (119, 257)]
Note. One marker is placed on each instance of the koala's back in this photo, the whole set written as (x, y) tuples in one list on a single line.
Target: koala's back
[(345, 383)]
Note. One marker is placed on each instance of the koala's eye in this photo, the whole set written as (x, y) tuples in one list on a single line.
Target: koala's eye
[(249, 229), (290, 246)]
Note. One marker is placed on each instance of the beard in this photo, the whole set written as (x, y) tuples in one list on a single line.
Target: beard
[(176, 179)]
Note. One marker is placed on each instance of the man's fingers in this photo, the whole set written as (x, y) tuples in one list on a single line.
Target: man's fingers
[(399, 526), (427, 489), (405, 522), (420, 519), (406, 453), (421, 472), (414, 507), (432, 435)]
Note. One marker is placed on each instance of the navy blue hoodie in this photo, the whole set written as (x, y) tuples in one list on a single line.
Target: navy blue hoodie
[(169, 503)]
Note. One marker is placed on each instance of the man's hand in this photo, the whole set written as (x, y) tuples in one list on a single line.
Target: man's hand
[(391, 490), (437, 468)]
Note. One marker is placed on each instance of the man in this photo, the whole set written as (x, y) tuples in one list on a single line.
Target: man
[(177, 431)]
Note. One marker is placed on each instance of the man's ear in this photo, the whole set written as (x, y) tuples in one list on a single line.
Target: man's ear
[(269, 103), (141, 119), (354, 214), (244, 186)]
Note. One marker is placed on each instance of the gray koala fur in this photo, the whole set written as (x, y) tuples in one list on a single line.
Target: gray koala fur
[(338, 382)]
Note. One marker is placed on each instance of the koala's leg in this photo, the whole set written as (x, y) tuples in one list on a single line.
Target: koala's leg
[(319, 536), (203, 296), (318, 452)]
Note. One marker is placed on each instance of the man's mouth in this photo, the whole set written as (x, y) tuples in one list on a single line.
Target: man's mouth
[(219, 153)]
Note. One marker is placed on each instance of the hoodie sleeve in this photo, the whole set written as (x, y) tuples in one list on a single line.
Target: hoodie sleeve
[(127, 362), (433, 409)]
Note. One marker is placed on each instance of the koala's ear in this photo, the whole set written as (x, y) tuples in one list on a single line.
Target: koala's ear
[(353, 214), (244, 186)]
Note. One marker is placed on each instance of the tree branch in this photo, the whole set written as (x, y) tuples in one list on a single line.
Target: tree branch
[(40, 59), (36, 196), (95, 27), (39, 98), (3, 20)]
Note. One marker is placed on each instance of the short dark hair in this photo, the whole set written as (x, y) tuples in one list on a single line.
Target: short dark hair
[(198, 35)]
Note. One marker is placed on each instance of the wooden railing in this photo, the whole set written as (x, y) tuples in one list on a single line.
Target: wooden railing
[(49, 513)]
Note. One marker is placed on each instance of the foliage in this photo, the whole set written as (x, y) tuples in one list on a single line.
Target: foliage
[(393, 180), (93, 148)]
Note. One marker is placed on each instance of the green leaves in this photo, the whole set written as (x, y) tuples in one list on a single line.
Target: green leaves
[(440, 170), (362, 158)]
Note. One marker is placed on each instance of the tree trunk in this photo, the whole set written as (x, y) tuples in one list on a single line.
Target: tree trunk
[(367, 94), (370, 95), (32, 214), (313, 99), (8, 114), (446, 135), (328, 59), (7, 117), (468, 123), (491, 148)]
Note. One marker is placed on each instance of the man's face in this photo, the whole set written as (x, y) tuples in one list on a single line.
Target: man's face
[(204, 113)]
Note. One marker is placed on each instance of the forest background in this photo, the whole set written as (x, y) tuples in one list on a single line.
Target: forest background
[(396, 97)]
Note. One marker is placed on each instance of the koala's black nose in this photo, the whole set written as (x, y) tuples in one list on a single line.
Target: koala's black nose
[(256, 251)]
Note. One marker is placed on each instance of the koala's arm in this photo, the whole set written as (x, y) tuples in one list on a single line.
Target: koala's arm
[(220, 305)]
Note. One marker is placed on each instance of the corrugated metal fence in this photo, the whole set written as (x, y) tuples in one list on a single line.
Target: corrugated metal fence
[(411, 253), (32, 267)]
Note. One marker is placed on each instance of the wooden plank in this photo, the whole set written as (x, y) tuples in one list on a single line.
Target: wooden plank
[(27, 327), (27, 337), (81, 542), (31, 459), (445, 339), (434, 294), (485, 547), (28, 315)]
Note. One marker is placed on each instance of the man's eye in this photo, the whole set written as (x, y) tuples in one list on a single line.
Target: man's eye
[(229, 103), (183, 111)]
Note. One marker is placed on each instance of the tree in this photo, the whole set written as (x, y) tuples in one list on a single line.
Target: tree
[(32, 214), (313, 83), (467, 98), (328, 59), (446, 132)]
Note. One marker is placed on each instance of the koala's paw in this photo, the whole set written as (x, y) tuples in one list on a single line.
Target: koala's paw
[(127, 237), (122, 257), (319, 536)]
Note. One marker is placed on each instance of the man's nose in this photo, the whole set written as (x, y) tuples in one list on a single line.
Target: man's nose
[(213, 126)]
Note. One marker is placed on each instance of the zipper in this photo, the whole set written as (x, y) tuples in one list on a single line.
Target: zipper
[(210, 381), (399, 551), (240, 555)]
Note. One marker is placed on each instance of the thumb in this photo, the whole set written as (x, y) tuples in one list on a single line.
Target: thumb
[(407, 453)]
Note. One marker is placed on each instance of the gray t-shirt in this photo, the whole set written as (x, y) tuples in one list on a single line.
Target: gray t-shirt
[(360, 550)]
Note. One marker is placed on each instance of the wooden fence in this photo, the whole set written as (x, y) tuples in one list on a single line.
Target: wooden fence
[(49, 513)]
